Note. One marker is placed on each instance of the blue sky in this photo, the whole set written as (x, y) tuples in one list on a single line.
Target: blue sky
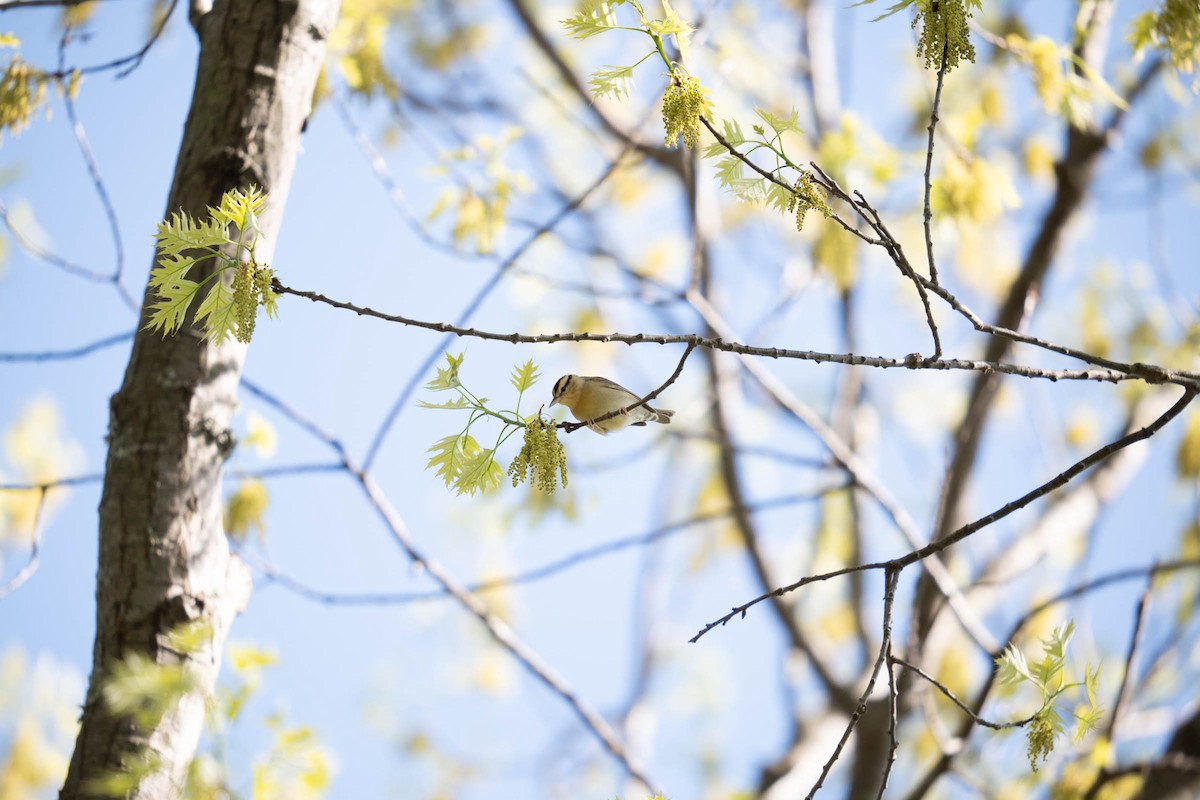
[(407, 668)]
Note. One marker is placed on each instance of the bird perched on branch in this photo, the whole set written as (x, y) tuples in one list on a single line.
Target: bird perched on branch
[(589, 397)]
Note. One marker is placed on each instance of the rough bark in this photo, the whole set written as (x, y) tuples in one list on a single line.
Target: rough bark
[(164, 560), (1175, 776)]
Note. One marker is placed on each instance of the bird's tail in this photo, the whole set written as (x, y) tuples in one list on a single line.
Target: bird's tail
[(662, 415)]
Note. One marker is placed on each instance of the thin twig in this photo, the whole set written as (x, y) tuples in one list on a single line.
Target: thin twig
[(893, 720), (933, 121), (110, 212), (1135, 640), (533, 575), (502, 269), (1113, 371), (922, 786), (26, 572), (66, 355), (390, 186), (16, 5), (891, 576), (859, 471), (571, 427), (53, 259), (966, 530), (495, 627), (130, 62), (42, 486), (945, 690)]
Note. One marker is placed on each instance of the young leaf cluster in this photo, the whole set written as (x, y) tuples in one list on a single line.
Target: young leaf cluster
[(464, 464), (23, 89), (685, 103), (227, 238), (479, 203), (1049, 676), (684, 100), (1173, 29)]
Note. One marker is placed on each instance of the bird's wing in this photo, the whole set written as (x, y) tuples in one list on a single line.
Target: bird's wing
[(606, 383)]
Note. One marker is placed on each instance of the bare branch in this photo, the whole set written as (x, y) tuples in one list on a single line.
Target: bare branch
[(110, 212), (467, 599), (952, 697), (943, 765), (1113, 372), (859, 471), (126, 64), (571, 427), (966, 530), (891, 577), (933, 121), (1135, 640), (67, 355), (502, 269)]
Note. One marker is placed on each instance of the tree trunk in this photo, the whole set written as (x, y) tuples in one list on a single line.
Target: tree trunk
[(164, 560), (1175, 776)]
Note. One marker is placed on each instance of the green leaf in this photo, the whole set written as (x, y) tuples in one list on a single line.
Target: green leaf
[(168, 313), (1142, 31), (140, 688), (593, 18), (171, 268), (480, 473), (525, 376), (182, 232), (1086, 722), (124, 780), (457, 402), (218, 312), (780, 124), (447, 377), (900, 6), (778, 197), (191, 637), (611, 81), (673, 25), (1055, 648), (240, 209), (1090, 680), (451, 454), (731, 175), (1013, 666), (732, 131)]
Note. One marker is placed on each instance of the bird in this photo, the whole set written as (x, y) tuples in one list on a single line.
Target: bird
[(589, 397)]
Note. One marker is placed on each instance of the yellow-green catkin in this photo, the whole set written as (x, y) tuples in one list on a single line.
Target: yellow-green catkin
[(1039, 739), (806, 196), (245, 300), (944, 28), (683, 103), (22, 90), (542, 458), (1179, 28)]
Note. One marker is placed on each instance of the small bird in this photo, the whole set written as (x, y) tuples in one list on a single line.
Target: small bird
[(590, 397)]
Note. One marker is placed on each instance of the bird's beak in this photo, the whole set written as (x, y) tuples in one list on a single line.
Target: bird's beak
[(554, 401)]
